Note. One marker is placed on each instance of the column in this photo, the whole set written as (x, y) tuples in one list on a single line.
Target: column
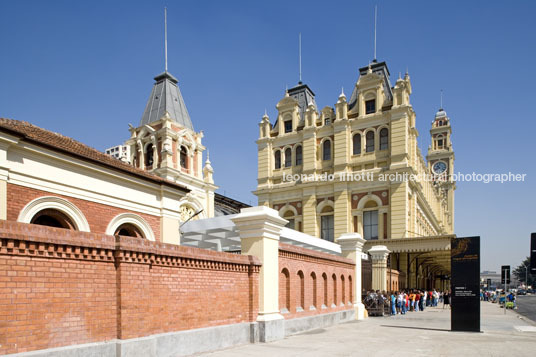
[(379, 254), (259, 228), (352, 248)]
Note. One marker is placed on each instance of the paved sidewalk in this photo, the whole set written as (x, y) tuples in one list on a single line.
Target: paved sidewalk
[(423, 333)]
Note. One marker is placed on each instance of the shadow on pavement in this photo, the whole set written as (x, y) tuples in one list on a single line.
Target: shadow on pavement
[(417, 328)]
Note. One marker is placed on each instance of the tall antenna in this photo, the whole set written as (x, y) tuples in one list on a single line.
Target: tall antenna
[(299, 45), (165, 35), (375, 21)]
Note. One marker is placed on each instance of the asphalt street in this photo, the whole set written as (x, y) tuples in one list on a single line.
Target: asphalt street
[(526, 306)]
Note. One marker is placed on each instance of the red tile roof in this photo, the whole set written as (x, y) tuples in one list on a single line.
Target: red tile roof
[(69, 146)]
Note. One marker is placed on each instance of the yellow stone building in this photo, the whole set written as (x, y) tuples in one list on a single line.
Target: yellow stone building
[(357, 168)]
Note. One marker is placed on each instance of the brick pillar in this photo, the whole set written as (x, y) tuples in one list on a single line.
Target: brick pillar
[(352, 248), (379, 254), (259, 228)]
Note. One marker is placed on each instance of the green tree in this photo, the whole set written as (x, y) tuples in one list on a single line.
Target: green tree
[(521, 274)]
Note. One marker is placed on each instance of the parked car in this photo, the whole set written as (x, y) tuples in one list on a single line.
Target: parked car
[(521, 292)]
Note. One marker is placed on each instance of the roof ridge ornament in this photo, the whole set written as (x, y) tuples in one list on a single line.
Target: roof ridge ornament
[(342, 93)]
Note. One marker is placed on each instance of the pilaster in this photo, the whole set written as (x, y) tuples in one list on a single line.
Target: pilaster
[(352, 248), (260, 228)]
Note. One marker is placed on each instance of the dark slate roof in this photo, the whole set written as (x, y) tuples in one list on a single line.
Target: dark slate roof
[(305, 96), (69, 146), (381, 69), (224, 205), (166, 96)]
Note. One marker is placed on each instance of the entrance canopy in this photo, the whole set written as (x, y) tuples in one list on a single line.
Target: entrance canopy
[(221, 234)]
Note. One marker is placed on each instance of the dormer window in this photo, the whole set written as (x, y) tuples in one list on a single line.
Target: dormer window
[(288, 126), (370, 106), (327, 121)]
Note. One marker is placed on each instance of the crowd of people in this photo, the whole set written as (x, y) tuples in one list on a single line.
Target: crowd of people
[(401, 302)]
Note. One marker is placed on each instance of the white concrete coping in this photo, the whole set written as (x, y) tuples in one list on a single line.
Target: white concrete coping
[(379, 252), (221, 233)]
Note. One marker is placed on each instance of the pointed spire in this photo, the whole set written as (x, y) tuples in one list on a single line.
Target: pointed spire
[(286, 91), (342, 93), (441, 100), (299, 45), (165, 38), (375, 24), (208, 170)]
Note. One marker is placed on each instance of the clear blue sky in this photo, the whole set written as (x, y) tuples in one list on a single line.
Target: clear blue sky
[(85, 69)]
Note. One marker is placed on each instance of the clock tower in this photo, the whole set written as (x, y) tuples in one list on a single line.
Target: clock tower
[(441, 161)]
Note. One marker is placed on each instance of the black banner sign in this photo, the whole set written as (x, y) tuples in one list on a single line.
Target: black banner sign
[(505, 274), (533, 253), (465, 284)]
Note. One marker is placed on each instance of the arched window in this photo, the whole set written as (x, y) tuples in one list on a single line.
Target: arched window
[(288, 157), (384, 139), (357, 144), (326, 150), (300, 301), (370, 141), (149, 152), (343, 294), (53, 218), (54, 212), (129, 230), (327, 224), (289, 216), (313, 279), (440, 142), (334, 278), (184, 157), (370, 221), (284, 289), (325, 290), (299, 154), (131, 225), (350, 289), (277, 159)]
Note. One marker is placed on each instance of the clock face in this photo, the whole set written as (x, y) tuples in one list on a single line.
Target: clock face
[(439, 167)]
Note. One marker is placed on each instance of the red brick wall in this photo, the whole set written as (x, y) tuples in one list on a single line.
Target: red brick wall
[(295, 259), (60, 287), (97, 215)]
